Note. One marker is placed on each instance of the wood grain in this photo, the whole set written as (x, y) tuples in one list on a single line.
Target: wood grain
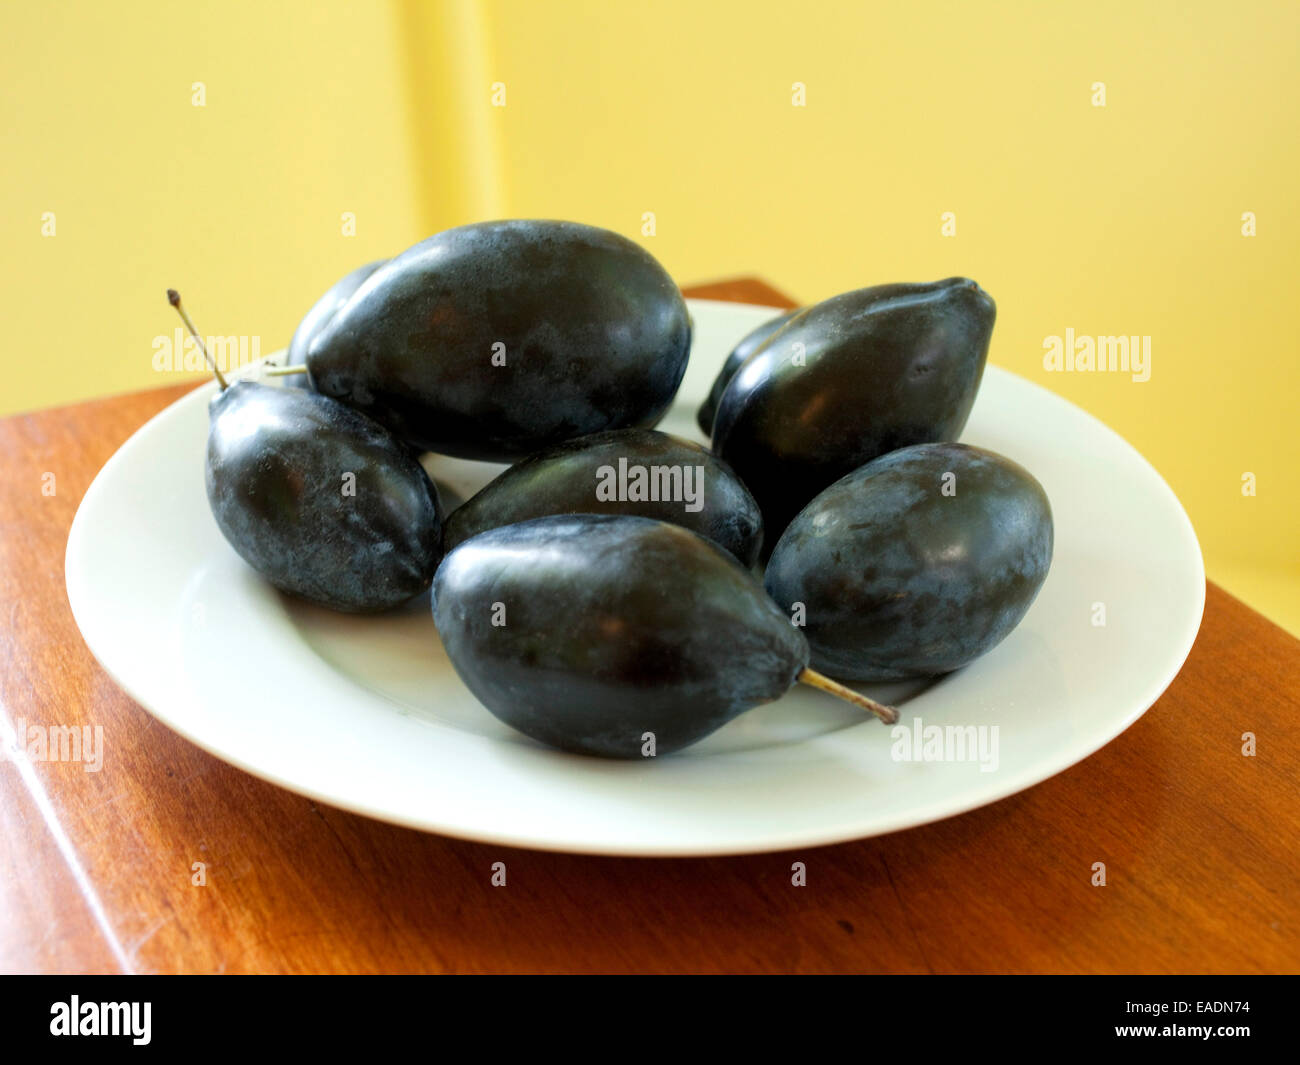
[(95, 868)]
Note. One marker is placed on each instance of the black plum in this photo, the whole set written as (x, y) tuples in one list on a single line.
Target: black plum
[(497, 339), (739, 354), (625, 471), (321, 312), (849, 379), (915, 564), (589, 631), (320, 500)]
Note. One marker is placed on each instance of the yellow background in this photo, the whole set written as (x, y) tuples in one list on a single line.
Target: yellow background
[(1123, 219)]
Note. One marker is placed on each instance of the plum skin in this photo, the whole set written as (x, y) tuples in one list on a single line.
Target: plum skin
[(614, 626), (318, 317), (562, 480), (899, 580), (740, 354)]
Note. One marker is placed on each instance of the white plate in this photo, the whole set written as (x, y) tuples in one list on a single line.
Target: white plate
[(367, 713)]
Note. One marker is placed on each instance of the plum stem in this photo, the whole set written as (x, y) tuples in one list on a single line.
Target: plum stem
[(174, 298), (283, 371), (820, 681)]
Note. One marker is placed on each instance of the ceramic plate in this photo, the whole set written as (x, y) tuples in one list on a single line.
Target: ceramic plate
[(367, 714)]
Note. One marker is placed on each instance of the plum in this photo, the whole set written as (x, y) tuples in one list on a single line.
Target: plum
[(615, 635), (319, 499), (494, 340), (652, 474), (849, 379), (915, 564)]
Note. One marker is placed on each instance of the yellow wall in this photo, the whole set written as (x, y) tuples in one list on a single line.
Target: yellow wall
[(237, 204), (1122, 219)]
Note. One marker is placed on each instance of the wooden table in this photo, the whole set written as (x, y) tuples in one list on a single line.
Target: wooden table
[(1200, 842)]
